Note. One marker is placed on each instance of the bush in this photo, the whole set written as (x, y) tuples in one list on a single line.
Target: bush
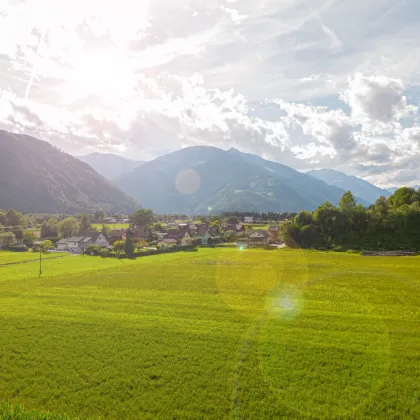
[(338, 248), (18, 248), (105, 253), (352, 251), (93, 250)]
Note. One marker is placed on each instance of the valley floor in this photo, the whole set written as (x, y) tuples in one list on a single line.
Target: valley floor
[(218, 333)]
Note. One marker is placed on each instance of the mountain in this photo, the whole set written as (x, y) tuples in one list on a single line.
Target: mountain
[(110, 166), (196, 179), (359, 187), (37, 177)]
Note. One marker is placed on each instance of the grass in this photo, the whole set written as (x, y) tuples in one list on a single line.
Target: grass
[(9, 256), (112, 226), (218, 333)]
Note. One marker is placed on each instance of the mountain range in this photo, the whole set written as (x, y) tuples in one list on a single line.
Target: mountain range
[(359, 187), (199, 179), (37, 177), (110, 166)]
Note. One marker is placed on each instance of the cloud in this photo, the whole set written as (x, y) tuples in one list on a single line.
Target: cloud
[(320, 83), (377, 102)]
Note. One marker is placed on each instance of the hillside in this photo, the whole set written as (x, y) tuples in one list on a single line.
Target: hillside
[(359, 187), (37, 177), (110, 166), (221, 181)]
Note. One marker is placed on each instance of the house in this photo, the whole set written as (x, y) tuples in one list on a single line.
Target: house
[(74, 244), (96, 238), (204, 233), (248, 219), (110, 220), (116, 235), (237, 228), (137, 233), (273, 233), (257, 237), (167, 243), (182, 235)]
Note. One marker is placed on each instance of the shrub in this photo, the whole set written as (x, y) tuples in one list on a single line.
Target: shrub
[(105, 253)]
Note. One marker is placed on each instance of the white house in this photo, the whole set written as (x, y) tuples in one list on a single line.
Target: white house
[(79, 243), (74, 244), (258, 237), (248, 219), (167, 243)]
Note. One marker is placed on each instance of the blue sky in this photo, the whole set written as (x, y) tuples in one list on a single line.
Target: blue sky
[(309, 83)]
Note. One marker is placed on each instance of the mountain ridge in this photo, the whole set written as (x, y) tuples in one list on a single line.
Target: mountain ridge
[(38, 177), (227, 180), (358, 186), (109, 165)]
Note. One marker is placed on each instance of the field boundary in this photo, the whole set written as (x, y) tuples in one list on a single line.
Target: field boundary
[(37, 259)]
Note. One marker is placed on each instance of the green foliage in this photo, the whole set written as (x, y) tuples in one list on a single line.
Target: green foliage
[(47, 245), (118, 245), (387, 225), (14, 218), (129, 248), (7, 239), (218, 333), (85, 222), (142, 217), (68, 227), (29, 237)]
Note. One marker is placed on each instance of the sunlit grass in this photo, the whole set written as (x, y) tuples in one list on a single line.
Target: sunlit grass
[(11, 257), (213, 334)]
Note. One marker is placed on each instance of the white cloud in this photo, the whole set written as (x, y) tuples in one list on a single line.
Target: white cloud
[(124, 76)]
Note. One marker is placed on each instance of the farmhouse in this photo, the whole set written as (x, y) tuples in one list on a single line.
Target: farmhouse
[(257, 237), (137, 233), (82, 241), (273, 233), (74, 244), (249, 219), (182, 235), (96, 238), (116, 235), (167, 243)]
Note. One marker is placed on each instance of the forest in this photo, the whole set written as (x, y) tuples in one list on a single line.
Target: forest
[(389, 224)]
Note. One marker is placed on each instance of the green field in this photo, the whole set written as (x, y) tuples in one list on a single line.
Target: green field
[(218, 333), (98, 226), (9, 257)]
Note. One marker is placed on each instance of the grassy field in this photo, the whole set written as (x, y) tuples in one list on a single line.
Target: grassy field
[(98, 226), (8, 256), (218, 333)]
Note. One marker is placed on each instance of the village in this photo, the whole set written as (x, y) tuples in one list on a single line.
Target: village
[(173, 236)]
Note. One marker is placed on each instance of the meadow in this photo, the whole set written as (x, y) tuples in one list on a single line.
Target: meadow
[(218, 333), (7, 257), (98, 226)]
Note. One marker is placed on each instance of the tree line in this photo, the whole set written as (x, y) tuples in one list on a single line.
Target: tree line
[(389, 224)]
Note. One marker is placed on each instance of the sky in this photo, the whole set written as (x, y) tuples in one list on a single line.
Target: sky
[(308, 83)]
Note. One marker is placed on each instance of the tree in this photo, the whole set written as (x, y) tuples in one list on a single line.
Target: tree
[(289, 231), (142, 217), (14, 218), (158, 227), (46, 246), (233, 220), (129, 248), (99, 215), (118, 245), (7, 239), (105, 229), (304, 218), (68, 227), (403, 196), (85, 222), (348, 203), (29, 237), (229, 235)]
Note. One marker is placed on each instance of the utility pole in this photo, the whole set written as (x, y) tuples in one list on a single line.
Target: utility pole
[(40, 260)]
